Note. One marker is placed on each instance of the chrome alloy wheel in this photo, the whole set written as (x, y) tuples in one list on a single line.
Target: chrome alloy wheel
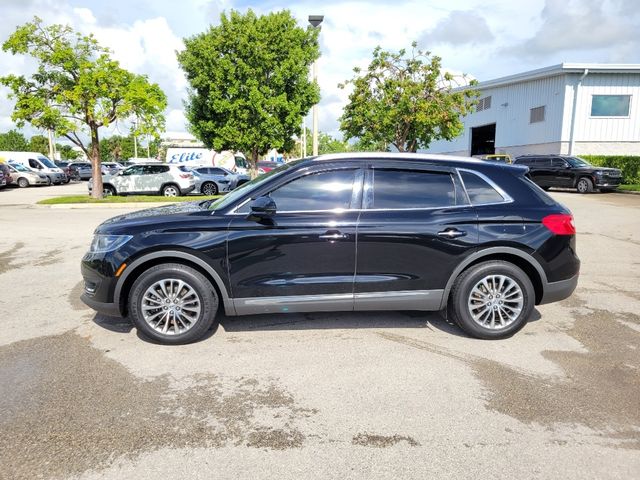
[(171, 306), (495, 302), (170, 191)]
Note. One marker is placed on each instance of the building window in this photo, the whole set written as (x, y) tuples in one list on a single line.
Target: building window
[(537, 114), (484, 104), (610, 105)]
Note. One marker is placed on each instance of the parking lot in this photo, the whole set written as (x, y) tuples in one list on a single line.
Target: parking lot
[(330, 395)]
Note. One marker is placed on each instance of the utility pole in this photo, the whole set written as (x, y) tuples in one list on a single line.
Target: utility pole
[(315, 21)]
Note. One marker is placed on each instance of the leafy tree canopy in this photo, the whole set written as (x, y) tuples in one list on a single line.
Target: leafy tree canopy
[(78, 88), (249, 82), (13, 141), (404, 100)]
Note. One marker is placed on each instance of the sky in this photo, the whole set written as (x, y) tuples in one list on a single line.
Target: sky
[(484, 39)]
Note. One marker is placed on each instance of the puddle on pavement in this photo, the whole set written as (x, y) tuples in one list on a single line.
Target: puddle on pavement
[(7, 260), (600, 390), (74, 297), (66, 409), (382, 441), (51, 257)]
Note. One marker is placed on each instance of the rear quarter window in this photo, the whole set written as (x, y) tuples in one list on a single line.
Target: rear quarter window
[(479, 190)]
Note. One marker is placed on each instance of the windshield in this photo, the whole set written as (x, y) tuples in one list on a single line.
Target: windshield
[(46, 162), (245, 188), (578, 162), (20, 168)]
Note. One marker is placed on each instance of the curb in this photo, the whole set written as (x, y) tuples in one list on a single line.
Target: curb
[(132, 205)]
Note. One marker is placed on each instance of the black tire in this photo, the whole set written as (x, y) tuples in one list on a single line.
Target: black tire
[(49, 182), (23, 182), (459, 310), (170, 190), (209, 188), (584, 185), (546, 189), (206, 294), (108, 190)]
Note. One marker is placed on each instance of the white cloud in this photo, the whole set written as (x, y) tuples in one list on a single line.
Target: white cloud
[(145, 34)]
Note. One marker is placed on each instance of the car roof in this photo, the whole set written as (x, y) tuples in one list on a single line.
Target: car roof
[(432, 159)]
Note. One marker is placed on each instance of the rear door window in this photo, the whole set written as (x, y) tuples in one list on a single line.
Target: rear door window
[(479, 190), (402, 189)]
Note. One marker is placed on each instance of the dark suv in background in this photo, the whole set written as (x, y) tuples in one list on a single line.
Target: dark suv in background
[(564, 171), (346, 232)]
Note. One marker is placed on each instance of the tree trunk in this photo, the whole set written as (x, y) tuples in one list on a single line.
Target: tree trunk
[(96, 172), (254, 164)]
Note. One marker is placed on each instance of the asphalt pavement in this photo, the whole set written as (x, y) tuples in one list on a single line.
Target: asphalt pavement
[(328, 395)]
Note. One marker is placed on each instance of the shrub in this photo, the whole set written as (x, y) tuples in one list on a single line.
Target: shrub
[(630, 165)]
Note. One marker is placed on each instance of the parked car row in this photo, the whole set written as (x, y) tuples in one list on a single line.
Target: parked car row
[(170, 180)]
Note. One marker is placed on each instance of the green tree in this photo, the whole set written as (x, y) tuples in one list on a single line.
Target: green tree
[(405, 101), (116, 148), (78, 88), (13, 141), (249, 81), (67, 152), (40, 144)]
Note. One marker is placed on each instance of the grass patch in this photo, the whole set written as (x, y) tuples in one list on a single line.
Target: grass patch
[(66, 199), (630, 188)]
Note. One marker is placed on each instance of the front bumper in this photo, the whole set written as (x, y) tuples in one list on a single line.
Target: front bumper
[(608, 182), (98, 291), (556, 291)]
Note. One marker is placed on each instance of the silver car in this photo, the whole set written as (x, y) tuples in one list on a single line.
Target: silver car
[(23, 176), (210, 184), (235, 179)]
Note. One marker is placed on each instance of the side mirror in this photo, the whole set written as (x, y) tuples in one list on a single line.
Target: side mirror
[(262, 208)]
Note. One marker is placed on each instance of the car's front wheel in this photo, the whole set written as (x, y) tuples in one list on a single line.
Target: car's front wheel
[(209, 188), (584, 185), (173, 304), (492, 300), (23, 182)]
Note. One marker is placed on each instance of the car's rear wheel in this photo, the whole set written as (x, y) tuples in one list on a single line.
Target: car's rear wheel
[(108, 190), (584, 185), (23, 182), (170, 191), (209, 188), (492, 300), (173, 304)]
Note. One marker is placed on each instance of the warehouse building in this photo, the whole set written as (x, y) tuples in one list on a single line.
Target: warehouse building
[(571, 108)]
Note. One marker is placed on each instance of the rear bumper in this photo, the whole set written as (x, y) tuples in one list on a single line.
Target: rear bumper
[(556, 291), (185, 190)]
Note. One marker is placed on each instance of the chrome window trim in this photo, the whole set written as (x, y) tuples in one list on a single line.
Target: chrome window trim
[(506, 197), (345, 210)]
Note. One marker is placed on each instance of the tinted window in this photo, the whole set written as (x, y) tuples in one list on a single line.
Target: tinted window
[(33, 163), (135, 170), (558, 163), (479, 190), (610, 105), (217, 171), (318, 191), (412, 189)]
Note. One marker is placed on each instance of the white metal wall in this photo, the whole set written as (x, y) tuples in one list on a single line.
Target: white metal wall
[(602, 129), (510, 106)]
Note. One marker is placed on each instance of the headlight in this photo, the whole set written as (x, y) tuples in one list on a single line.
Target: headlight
[(599, 172), (108, 243)]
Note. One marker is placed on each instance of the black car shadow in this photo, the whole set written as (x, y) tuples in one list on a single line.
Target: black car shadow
[(313, 321)]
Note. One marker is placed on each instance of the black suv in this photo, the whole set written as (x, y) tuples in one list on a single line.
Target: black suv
[(563, 171), (342, 233)]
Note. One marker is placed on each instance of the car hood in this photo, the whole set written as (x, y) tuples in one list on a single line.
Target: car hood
[(158, 218)]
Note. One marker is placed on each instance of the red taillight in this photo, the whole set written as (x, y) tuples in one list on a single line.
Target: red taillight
[(186, 175), (560, 224)]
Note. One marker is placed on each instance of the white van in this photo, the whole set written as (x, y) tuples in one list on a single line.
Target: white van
[(203, 157), (38, 163)]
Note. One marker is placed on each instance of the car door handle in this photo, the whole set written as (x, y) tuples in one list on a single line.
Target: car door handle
[(452, 233), (333, 235)]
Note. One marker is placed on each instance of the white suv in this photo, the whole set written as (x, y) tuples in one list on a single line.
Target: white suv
[(149, 179)]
